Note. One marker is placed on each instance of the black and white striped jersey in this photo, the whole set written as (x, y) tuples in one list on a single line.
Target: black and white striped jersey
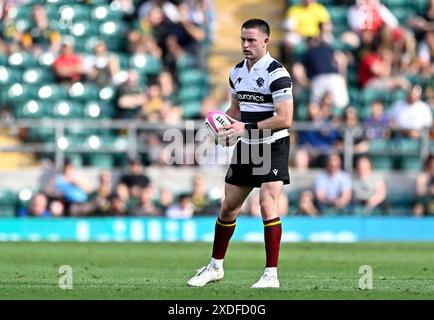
[(267, 82)]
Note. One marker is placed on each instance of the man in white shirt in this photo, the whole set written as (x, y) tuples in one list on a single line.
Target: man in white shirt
[(411, 114)]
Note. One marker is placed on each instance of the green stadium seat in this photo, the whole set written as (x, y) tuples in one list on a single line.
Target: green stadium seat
[(146, 63), (81, 29), (382, 162), (112, 28), (422, 6), (186, 61), (52, 92), (105, 12), (411, 163), (18, 92), (302, 112), (83, 92), (33, 109), (46, 60), (75, 158), (107, 94), (64, 109), (189, 94), (395, 198), (338, 15), (100, 160), (38, 76), (8, 203), (395, 3), (368, 95), (23, 60), (191, 109), (402, 14), (9, 75), (24, 197), (192, 77)]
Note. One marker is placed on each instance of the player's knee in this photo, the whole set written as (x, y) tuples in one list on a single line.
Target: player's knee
[(268, 207), (228, 209)]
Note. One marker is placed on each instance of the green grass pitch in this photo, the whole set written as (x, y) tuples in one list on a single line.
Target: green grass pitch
[(160, 271)]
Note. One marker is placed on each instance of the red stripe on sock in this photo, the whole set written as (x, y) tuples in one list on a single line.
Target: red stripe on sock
[(222, 236), (272, 237)]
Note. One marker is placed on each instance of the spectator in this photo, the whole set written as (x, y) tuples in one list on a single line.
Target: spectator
[(41, 37), (38, 207), (146, 206), (73, 186), (98, 203), (426, 53), (117, 205), (333, 186), (411, 114), (425, 189), (375, 70), (130, 96), (134, 178), (423, 23), (68, 66), (169, 9), (350, 121), (151, 109), (301, 160), (377, 124), (165, 200), (306, 204), (183, 209), (322, 135), (369, 189), (199, 195), (302, 22), (322, 68), (102, 68), (167, 86), (370, 15)]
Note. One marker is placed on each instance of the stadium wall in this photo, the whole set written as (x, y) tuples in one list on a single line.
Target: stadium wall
[(295, 229)]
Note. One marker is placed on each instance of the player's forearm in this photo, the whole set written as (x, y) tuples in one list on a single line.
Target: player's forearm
[(234, 113), (276, 122)]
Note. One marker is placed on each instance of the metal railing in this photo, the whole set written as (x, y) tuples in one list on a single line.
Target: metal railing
[(131, 139)]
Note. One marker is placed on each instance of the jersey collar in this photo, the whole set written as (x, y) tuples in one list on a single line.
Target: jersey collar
[(260, 63)]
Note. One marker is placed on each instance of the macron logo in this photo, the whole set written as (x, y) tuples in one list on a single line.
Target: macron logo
[(275, 171)]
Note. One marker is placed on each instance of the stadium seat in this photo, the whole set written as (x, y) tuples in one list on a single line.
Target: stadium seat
[(38, 76), (191, 109), (75, 158), (83, 92), (192, 77), (104, 12), (22, 60), (64, 109), (100, 160), (302, 112), (33, 109), (52, 92), (146, 63), (18, 92), (338, 15), (411, 163), (381, 162), (189, 94), (9, 75)]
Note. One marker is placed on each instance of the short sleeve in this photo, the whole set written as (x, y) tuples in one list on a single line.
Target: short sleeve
[(280, 85)]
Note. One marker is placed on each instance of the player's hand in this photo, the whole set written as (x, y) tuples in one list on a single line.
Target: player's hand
[(232, 131)]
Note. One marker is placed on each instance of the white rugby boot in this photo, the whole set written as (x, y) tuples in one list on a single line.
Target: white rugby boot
[(268, 279), (205, 275)]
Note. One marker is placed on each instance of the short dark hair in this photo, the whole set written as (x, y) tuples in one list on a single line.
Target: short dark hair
[(257, 23)]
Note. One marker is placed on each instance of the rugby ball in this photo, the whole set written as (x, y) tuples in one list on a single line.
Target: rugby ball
[(214, 121)]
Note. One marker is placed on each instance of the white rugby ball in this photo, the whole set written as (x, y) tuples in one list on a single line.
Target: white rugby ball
[(213, 122)]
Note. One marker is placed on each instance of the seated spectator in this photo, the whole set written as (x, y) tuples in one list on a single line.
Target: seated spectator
[(165, 200), (130, 96), (302, 21), (322, 68), (38, 207), (323, 134), (183, 209), (167, 86), (146, 206), (377, 124), (411, 114), (426, 53), (350, 121), (424, 23), (333, 186), (68, 66), (375, 70), (98, 203), (369, 189), (199, 195), (306, 204), (102, 68), (117, 206), (425, 189), (301, 160), (73, 186), (134, 178), (151, 109), (41, 37)]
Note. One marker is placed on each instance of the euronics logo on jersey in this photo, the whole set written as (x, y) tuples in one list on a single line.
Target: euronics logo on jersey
[(251, 97)]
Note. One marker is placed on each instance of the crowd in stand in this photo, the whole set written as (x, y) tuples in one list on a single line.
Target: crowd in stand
[(334, 191)]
